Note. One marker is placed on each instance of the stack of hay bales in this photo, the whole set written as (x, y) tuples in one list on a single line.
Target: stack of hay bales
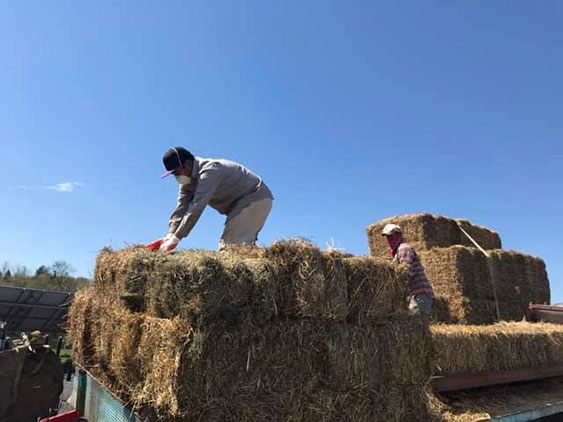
[(463, 349), (462, 276), (426, 231), (283, 333)]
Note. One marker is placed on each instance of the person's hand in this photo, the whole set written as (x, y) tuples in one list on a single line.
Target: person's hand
[(155, 246), (169, 243)]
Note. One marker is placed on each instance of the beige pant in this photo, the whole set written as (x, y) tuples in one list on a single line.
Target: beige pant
[(243, 229)]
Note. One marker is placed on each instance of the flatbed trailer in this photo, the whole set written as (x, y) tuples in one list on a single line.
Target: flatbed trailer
[(491, 378), (95, 403), (544, 313), (539, 400), (530, 401)]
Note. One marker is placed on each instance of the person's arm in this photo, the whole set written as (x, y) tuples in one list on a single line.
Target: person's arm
[(209, 179), (185, 196), (170, 241), (406, 256)]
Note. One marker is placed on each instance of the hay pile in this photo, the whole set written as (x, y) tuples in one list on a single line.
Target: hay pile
[(284, 333), (462, 280), (425, 231), (253, 286), (506, 345), (462, 276), (460, 349)]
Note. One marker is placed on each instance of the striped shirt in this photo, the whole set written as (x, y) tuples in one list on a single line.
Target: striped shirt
[(418, 283)]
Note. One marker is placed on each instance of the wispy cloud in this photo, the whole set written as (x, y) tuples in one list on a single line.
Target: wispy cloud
[(65, 186), (59, 187)]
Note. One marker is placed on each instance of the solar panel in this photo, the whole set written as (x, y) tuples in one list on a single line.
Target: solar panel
[(24, 309)]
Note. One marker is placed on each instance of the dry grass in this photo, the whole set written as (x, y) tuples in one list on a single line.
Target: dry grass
[(322, 406), (445, 411), (304, 368), (506, 345), (289, 333), (425, 231), (461, 278), (253, 286)]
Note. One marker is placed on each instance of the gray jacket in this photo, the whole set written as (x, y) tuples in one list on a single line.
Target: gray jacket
[(225, 185)]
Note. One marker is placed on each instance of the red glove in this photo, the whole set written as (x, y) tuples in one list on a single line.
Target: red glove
[(167, 243), (154, 246)]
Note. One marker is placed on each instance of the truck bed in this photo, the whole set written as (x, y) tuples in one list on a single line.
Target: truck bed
[(521, 402)]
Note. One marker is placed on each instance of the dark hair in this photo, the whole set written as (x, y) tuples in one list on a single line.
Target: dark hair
[(176, 157)]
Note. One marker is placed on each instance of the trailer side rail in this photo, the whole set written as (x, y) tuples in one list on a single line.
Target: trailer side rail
[(485, 379)]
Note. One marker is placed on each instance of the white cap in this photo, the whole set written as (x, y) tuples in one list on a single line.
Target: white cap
[(390, 229)]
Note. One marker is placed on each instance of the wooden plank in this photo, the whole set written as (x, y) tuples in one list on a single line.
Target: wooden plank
[(483, 379)]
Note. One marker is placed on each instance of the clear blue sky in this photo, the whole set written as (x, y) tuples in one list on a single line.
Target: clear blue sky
[(352, 111)]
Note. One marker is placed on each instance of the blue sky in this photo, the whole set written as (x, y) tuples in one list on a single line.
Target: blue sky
[(351, 111)]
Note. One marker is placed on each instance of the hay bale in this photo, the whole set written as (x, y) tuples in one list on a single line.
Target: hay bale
[(80, 315), (281, 333), (440, 312), (287, 280), (506, 345), (323, 406), (520, 279), (318, 368), (425, 231), (376, 290), (462, 276)]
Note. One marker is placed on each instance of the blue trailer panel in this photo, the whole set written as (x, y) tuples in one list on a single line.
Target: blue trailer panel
[(532, 415), (96, 403)]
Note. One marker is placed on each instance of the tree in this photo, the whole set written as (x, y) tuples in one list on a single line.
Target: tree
[(21, 272), (43, 270), (5, 270), (60, 273), (53, 277)]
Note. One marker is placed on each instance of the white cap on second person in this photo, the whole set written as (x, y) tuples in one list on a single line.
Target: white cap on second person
[(390, 229)]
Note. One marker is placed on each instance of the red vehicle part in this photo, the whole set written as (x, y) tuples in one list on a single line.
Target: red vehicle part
[(72, 416), (544, 313), (484, 379)]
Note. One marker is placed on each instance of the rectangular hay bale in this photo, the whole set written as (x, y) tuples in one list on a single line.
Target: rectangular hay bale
[(322, 406), (507, 345), (426, 231), (180, 371), (287, 280), (462, 281)]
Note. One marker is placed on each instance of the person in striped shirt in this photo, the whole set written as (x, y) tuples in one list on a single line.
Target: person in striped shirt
[(421, 293)]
